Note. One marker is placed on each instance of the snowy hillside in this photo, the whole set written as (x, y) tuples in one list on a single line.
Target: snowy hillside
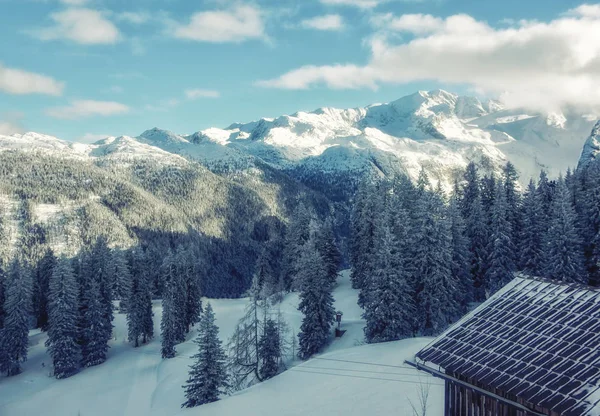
[(591, 149), (436, 130), (138, 382)]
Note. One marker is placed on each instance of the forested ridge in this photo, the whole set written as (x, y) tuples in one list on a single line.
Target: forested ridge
[(118, 237)]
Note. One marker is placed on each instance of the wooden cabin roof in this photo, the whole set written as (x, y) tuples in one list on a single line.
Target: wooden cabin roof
[(536, 339)]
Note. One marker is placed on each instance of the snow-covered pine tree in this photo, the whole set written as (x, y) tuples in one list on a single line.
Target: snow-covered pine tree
[(43, 272), (545, 195), (193, 304), (530, 242), (316, 302), (142, 296), (587, 205), (436, 287), (296, 235), (171, 325), (102, 271), (563, 256), (325, 242), (123, 279), (476, 227), (207, 377), (95, 328), (18, 309), (362, 233), (269, 350), (460, 255), (62, 320), (501, 251), (389, 308), (513, 201)]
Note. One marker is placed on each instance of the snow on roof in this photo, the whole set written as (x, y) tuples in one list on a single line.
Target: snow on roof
[(535, 339)]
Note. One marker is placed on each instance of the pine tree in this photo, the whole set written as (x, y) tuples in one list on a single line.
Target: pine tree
[(296, 235), (513, 201), (316, 302), (43, 272), (562, 247), (476, 230), (95, 328), (530, 243), (269, 350), (172, 321), (501, 262), (366, 206), (436, 304), (141, 297), (460, 255), (328, 249), (207, 377), (62, 315), (18, 309), (123, 279), (389, 308)]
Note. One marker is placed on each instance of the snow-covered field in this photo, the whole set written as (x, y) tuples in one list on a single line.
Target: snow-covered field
[(369, 379)]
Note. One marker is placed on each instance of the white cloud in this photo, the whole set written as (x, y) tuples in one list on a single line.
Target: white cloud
[(195, 93), (84, 26), (412, 23), (334, 76), (586, 10), (87, 108), (136, 18), (364, 4), (74, 2), (114, 89), (8, 128), (540, 65), (162, 106), (237, 24), (326, 22), (19, 82)]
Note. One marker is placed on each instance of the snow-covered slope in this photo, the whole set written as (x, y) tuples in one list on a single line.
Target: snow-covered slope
[(437, 130), (591, 149), (136, 381)]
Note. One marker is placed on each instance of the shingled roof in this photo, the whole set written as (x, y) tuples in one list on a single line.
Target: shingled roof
[(535, 339)]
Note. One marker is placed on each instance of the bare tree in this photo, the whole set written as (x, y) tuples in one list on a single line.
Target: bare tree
[(420, 408)]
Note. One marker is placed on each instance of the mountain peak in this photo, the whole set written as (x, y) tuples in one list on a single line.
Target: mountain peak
[(591, 149), (156, 135)]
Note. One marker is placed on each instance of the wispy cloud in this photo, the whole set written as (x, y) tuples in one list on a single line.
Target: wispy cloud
[(236, 24), (79, 25), (136, 18), (331, 22), (542, 65), (87, 108), (8, 128), (162, 105), (364, 4), (20, 82), (74, 2), (196, 93)]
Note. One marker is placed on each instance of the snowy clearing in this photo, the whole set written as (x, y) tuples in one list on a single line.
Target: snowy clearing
[(138, 382)]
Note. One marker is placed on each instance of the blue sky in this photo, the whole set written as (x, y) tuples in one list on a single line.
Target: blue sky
[(81, 69)]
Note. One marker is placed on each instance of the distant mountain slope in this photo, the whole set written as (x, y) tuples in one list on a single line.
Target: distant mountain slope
[(220, 182), (591, 149)]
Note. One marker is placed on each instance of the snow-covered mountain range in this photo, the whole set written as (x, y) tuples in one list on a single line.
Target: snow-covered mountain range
[(436, 130)]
